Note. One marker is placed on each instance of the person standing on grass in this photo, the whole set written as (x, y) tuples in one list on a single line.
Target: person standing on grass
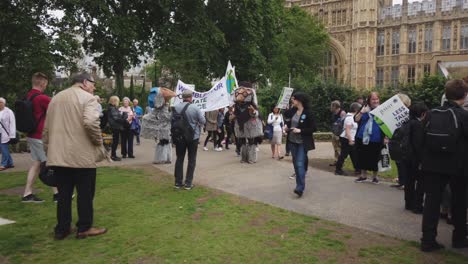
[(347, 140), (369, 139), (220, 131), (211, 127), (275, 119), (126, 144), (196, 120), (139, 114), (444, 162), (74, 145), (40, 103), (301, 138), (338, 114), (7, 133)]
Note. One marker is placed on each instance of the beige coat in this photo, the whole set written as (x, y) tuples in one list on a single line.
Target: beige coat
[(72, 136), (211, 120)]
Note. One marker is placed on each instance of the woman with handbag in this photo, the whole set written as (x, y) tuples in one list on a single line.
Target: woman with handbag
[(127, 135), (7, 134), (276, 122)]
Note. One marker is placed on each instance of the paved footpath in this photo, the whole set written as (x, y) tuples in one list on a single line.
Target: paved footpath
[(376, 208)]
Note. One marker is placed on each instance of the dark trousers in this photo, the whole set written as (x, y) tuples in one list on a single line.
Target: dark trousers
[(137, 138), (228, 137), (115, 142), (211, 134), (402, 172), (414, 188), (220, 138), (85, 182), (434, 185), (181, 149), (346, 150), (126, 144)]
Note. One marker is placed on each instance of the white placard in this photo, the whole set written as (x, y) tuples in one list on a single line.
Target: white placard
[(283, 101), (214, 99)]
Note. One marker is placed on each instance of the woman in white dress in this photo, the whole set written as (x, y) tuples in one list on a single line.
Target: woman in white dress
[(275, 119)]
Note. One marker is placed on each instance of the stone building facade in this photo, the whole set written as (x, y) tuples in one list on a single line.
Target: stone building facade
[(375, 43)]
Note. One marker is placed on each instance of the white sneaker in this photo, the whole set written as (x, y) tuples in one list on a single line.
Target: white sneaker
[(293, 176), (218, 149), (205, 148)]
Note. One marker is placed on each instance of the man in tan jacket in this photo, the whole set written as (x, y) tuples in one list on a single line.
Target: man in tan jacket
[(73, 141)]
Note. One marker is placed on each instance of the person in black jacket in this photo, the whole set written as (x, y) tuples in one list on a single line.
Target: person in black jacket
[(414, 189), (301, 138), (446, 167), (116, 123), (229, 126)]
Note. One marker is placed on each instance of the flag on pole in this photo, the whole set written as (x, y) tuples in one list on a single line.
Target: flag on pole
[(231, 80)]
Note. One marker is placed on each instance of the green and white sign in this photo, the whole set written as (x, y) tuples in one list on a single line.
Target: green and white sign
[(285, 97), (391, 115)]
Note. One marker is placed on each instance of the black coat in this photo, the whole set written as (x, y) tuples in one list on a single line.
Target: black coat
[(116, 119), (444, 163), (308, 127)]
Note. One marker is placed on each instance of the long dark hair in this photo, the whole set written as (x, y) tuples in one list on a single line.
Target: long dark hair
[(303, 98)]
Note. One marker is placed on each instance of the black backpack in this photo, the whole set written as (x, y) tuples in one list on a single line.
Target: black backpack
[(337, 127), (399, 145), (181, 130), (24, 115), (442, 131)]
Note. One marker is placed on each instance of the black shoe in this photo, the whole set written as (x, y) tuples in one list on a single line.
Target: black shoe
[(460, 244), (375, 181), (341, 173), (430, 247), (299, 194), (31, 199), (55, 198), (116, 159), (419, 210), (62, 236), (124, 156), (332, 164), (360, 179), (131, 157), (189, 187), (177, 186), (396, 185)]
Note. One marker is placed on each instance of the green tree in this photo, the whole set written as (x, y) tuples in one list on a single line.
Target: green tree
[(117, 32)]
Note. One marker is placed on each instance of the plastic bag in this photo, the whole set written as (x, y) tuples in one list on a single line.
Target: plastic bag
[(384, 161)]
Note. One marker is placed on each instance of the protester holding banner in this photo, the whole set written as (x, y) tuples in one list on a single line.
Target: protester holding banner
[(275, 119), (212, 129), (369, 139), (301, 138)]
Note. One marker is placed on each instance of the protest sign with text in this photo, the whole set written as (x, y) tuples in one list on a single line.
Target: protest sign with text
[(283, 102), (391, 115)]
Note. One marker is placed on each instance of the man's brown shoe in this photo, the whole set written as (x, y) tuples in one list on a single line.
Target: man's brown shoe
[(93, 231), (62, 236)]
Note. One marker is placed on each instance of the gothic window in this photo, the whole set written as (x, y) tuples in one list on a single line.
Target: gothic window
[(411, 74), (395, 76), (427, 69), (381, 43), (446, 37), (379, 79), (396, 42), (464, 37), (330, 69), (412, 35), (428, 39)]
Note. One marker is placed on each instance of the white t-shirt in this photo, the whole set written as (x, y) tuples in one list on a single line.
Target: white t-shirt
[(349, 120), (276, 123)]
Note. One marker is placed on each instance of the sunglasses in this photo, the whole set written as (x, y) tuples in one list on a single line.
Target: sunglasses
[(90, 81)]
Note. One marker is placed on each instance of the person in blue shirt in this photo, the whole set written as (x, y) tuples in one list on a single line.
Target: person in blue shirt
[(139, 113), (369, 139)]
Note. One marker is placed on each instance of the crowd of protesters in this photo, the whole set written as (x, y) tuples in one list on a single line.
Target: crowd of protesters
[(432, 168)]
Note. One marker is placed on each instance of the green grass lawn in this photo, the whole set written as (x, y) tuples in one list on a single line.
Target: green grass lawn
[(149, 222), (390, 175)]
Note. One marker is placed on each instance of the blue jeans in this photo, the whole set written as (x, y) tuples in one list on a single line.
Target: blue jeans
[(299, 155), (7, 161)]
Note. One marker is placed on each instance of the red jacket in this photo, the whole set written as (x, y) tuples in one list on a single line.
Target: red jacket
[(40, 105)]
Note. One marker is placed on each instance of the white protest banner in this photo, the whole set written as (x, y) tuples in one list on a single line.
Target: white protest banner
[(285, 97), (214, 99), (391, 115)]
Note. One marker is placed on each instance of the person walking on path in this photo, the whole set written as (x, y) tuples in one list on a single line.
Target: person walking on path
[(196, 120), (275, 119), (40, 103), (211, 118), (74, 145), (444, 162), (220, 131), (7, 133), (301, 138), (116, 123), (338, 115), (139, 114), (229, 126), (126, 144), (369, 139), (347, 140)]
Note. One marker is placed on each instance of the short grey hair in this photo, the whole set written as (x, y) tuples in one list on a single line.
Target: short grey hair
[(2, 100), (135, 100), (355, 107), (126, 98), (81, 77)]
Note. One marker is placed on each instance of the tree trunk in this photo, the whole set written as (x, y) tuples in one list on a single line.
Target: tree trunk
[(119, 79)]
